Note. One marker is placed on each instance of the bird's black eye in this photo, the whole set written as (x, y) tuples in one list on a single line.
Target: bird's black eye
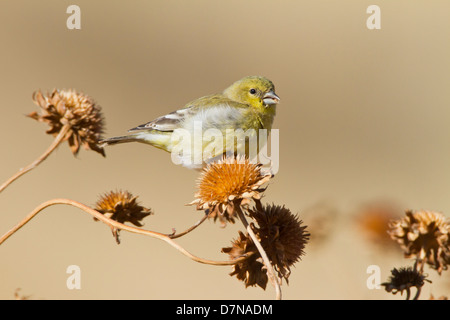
[(252, 91)]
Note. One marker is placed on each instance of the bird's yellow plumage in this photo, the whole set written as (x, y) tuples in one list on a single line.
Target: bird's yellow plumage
[(244, 108)]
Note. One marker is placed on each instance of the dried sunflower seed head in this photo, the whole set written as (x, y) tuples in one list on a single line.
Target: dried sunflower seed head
[(404, 279), (282, 236), (78, 111), (226, 181), (425, 236), (251, 271), (122, 207)]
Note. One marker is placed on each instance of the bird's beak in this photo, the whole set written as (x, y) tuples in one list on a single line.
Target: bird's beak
[(270, 98)]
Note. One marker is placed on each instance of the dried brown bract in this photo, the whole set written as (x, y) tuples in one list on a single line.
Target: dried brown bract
[(76, 110), (425, 236), (122, 207), (224, 183)]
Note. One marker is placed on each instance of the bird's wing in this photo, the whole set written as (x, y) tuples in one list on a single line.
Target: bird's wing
[(176, 119), (167, 123)]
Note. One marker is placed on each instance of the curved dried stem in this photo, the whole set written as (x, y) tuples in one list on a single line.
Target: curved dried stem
[(408, 293), (416, 297), (270, 271), (175, 235), (59, 138), (115, 224)]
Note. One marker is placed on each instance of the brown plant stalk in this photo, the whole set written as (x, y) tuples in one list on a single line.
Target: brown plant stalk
[(270, 271), (175, 235), (115, 224), (59, 138)]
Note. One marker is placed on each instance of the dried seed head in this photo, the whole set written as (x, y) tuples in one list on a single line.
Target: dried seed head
[(227, 181), (251, 271), (425, 236), (122, 207), (404, 279), (78, 111), (282, 236)]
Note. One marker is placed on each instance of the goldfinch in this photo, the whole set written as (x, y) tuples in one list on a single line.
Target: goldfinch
[(208, 127)]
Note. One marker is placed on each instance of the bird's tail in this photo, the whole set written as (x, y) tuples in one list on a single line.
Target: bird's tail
[(161, 140), (117, 140)]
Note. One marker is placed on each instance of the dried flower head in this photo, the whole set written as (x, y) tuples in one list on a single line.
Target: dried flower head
[(424, 235), (122, 207), (251, 271), (78, 111), (282, 236), (226, 182), (404, 279)]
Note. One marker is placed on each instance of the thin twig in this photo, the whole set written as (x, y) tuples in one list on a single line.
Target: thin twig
[(416, 297), (59, 138), (175, 235), (408, 293), (115, 224), (416, 266), (270, 271)]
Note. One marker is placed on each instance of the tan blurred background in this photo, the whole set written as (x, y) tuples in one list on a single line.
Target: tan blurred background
[(364, 118)]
